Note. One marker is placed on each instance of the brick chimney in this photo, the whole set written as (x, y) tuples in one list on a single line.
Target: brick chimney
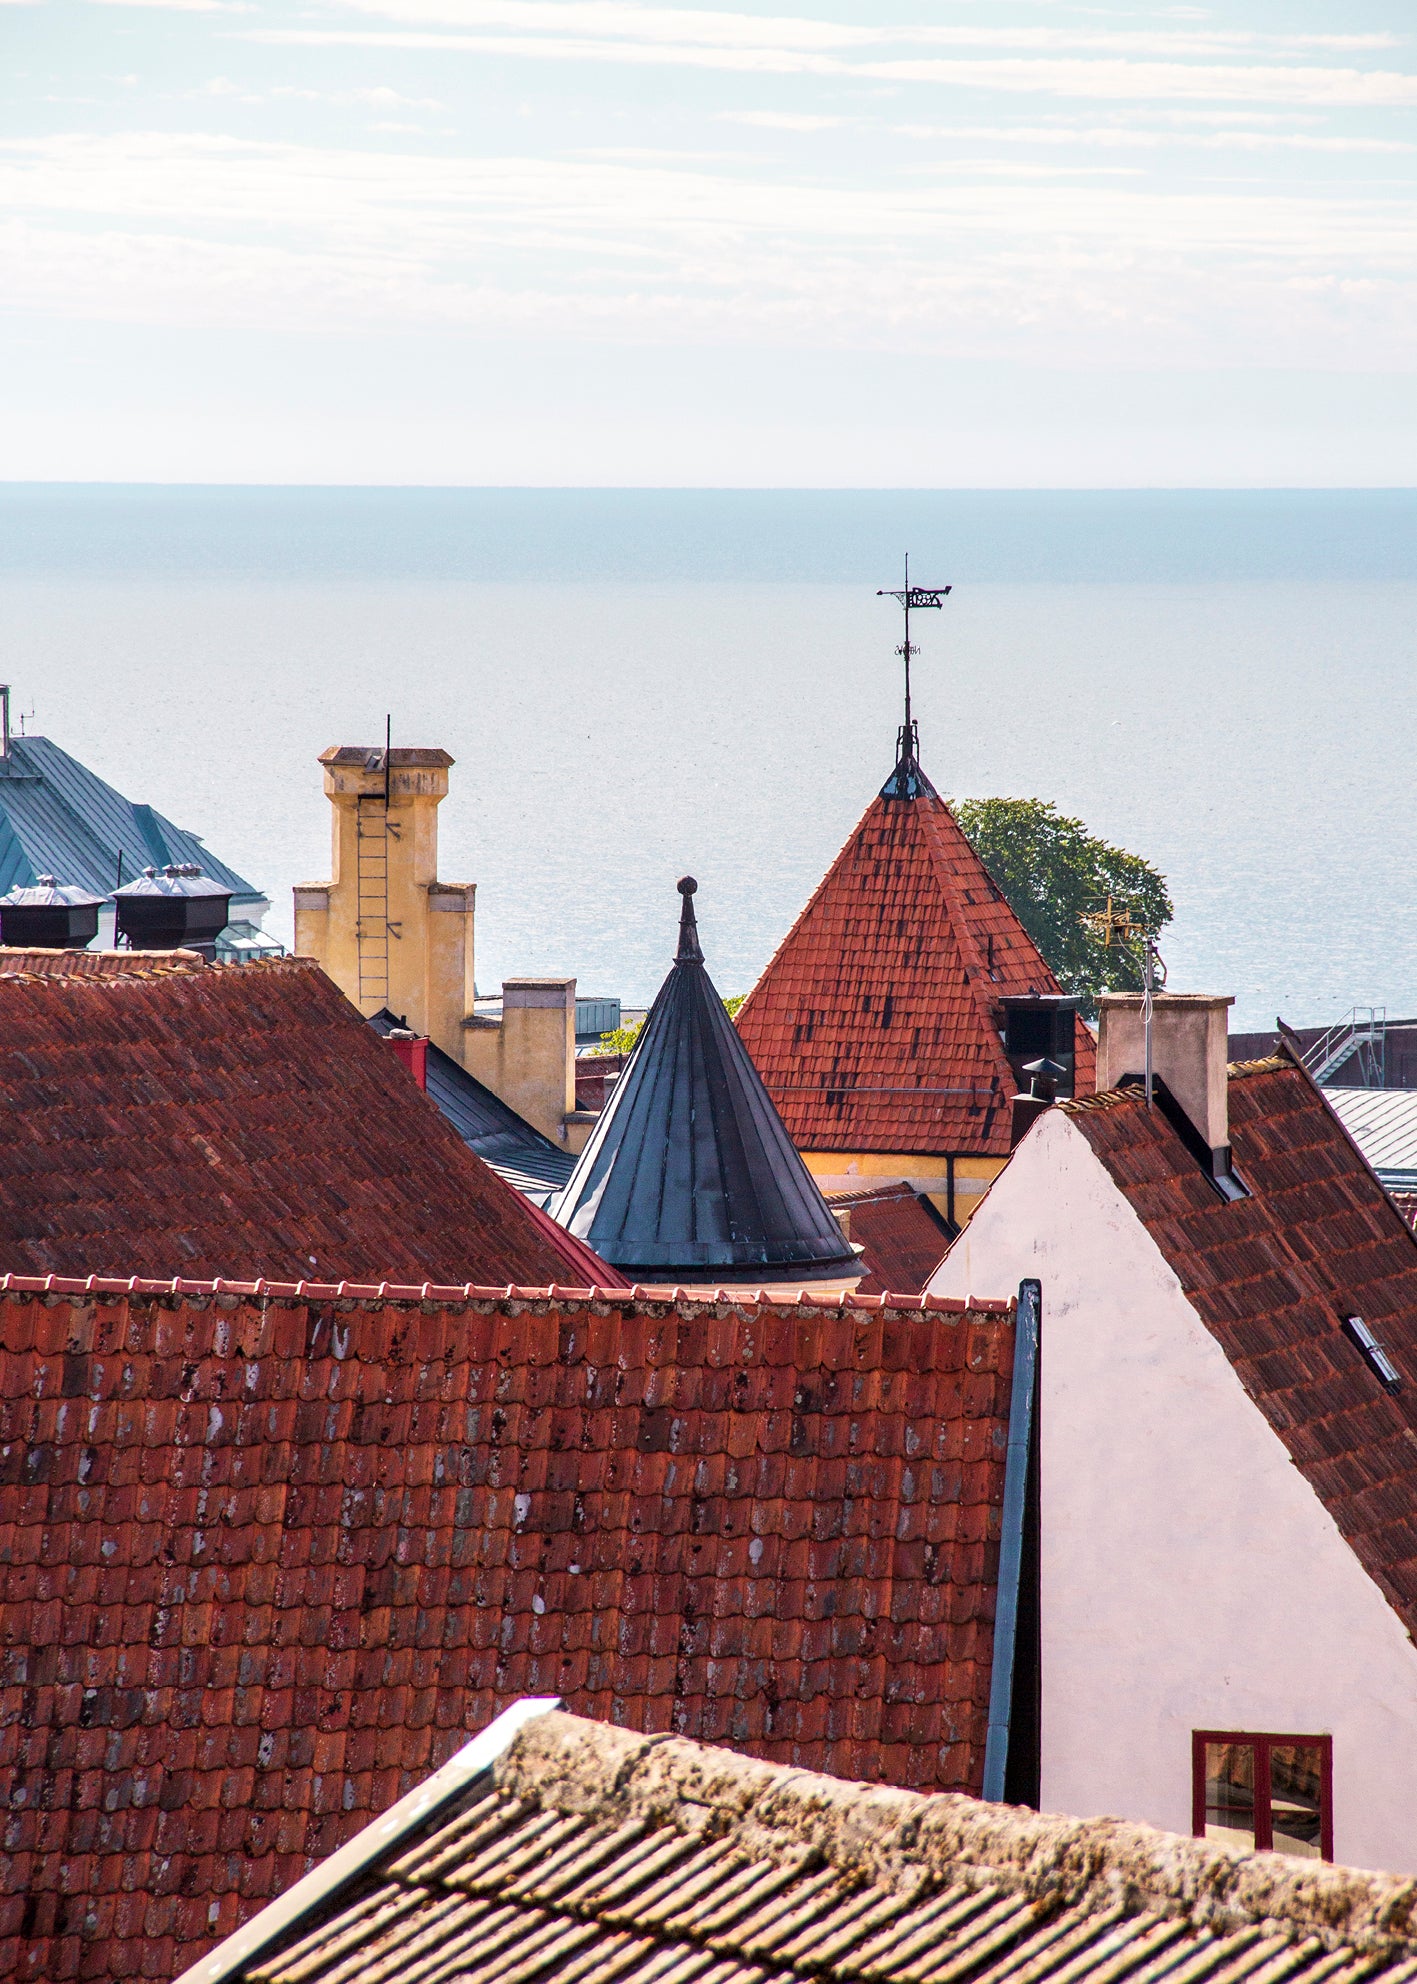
[(412, 1050), (1189, 1052)]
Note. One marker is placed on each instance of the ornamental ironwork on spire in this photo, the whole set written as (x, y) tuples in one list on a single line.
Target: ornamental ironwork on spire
[(908, 781)]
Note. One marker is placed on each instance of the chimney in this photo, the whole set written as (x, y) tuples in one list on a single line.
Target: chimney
[(1044, 1076), (412, 1050), (1189, 1052)]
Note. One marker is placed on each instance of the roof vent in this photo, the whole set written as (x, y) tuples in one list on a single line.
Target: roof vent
[(49, 917), (1382, 1366)]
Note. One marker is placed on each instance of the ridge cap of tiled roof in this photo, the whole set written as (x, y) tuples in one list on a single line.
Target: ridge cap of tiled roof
[(891, 1188), (155, 964), (892, 1836), (452, 1293)]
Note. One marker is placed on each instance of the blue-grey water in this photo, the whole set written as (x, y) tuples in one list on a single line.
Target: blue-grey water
[(636, 684)]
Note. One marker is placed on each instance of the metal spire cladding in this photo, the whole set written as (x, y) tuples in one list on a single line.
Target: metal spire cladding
[(689, 1175)]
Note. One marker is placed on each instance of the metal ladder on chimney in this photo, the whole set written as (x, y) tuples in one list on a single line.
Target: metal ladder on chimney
[(372, 928), (1362, 1035)]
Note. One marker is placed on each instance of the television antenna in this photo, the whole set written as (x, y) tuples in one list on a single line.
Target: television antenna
[(1119, 926)]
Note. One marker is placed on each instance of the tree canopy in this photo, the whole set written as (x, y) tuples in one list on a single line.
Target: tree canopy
[(622, 1040), (1052, 873)]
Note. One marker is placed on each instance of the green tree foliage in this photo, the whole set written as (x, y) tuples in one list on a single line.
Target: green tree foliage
[(622, 1040), (1052, 873)]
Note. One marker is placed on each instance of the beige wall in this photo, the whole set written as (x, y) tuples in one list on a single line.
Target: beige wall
[(848, 1171), (390, 933)]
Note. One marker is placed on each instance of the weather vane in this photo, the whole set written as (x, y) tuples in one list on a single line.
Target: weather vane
[(1119, 926), (919, 598)]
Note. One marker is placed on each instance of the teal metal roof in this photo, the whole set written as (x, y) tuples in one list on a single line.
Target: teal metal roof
[(58, 818)]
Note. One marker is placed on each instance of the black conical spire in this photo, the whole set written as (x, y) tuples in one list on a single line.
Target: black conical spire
[(689, 1175)]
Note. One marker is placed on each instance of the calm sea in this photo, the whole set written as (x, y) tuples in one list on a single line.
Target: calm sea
[(640, 684)]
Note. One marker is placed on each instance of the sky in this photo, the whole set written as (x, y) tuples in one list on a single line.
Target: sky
[(889, 243)]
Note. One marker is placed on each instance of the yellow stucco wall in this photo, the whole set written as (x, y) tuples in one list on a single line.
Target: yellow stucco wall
[(847, 1171), (390, 933)]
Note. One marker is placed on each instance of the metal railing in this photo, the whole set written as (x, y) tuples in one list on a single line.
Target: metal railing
[(1361, 1033)]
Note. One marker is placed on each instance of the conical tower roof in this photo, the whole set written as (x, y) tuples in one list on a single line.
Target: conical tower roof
[(689, 1175), (877, 1024)]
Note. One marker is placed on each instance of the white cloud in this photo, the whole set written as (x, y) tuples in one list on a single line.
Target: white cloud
[(617, 20), (211, 231), (1115, 79), (782, 120), (183, 6)]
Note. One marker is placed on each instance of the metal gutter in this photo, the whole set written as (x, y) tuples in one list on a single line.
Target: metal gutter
[(1021, 1410), (230, 1958)]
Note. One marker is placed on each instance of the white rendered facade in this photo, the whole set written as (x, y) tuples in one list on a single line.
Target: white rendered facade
[(1191, 1578)]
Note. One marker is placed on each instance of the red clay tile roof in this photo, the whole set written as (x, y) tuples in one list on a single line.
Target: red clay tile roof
[(904, 1237), (266, 1559), (239, 1121), (95, 964), (1273, 1276), (874, 1026)]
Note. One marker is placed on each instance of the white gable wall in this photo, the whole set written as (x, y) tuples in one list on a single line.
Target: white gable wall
[(1191, 1579)]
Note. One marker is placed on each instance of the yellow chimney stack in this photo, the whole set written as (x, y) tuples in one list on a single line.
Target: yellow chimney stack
[(390, 934)]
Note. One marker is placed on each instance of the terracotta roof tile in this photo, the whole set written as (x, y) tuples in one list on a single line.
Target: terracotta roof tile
[(1273, 1276), (267, 1554), (903, 1236), (238, 1120), (581, 1851), (874, 1025)]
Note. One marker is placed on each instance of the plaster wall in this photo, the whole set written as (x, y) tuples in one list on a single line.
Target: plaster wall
[(848, 1171), (1191, 1579)]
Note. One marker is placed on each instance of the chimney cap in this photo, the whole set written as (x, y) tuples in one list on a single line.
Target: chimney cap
[(1134, 999), (178, 879), (46, 893)]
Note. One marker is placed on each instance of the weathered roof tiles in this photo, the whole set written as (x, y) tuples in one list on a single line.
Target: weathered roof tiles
[(587, 1853), (875, 1026), (268, 1555), (242, 1122)]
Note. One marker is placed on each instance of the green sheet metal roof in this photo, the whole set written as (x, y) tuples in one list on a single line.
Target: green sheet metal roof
[(59, 818)]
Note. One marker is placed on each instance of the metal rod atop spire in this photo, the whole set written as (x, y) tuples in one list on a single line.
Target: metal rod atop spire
[(920, 598)]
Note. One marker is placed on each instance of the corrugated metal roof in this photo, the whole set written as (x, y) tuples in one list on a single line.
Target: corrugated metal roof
[(586, 1854), (59, 818), (514, 1148), (1383, 1124), (689, 1175)]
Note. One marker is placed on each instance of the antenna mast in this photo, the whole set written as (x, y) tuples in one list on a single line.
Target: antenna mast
[(1120, 926)]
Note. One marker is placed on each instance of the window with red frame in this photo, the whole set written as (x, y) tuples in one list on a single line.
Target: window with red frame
[(1267, 1792)]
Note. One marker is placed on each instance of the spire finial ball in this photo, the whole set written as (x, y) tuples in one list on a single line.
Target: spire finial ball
[(688, 886)]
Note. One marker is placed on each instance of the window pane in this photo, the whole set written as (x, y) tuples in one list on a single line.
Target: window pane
[(1295, 1794), (1230, 1792)]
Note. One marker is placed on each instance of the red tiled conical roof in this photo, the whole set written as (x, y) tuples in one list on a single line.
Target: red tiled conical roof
[(876, 1026)]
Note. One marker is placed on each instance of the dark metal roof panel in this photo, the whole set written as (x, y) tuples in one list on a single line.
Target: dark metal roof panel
[(512, 1146), (63, 820), (690, 1170)]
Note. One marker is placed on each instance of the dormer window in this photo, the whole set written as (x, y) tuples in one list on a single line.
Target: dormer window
[(1262, 1792)]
